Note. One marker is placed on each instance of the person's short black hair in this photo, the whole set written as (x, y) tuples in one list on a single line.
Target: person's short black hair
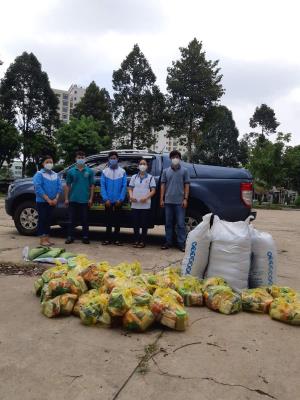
[(175, 153), (80, 153), (45, 157), (113, 153)]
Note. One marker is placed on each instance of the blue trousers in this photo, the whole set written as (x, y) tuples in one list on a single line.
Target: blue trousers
[(45, 215), (175, 214)]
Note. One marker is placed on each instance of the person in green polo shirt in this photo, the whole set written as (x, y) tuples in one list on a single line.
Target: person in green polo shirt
[(79, 193)]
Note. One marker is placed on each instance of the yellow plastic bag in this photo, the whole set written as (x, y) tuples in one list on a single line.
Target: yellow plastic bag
[(222, 299), (93, 275), (256, 300), (138, 318), (282, 291), (129, 269), (60, 305), (285, 310), (213, 281), (83, 300), (140, 296), (95, 310), (163, 299), (190, 288), (120, 300), (113, 278)]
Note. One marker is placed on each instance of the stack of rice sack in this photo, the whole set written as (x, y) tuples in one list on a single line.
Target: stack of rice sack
[(242, 255)]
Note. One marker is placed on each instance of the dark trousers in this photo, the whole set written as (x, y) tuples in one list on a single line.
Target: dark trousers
[(45, 215), (112, 219), (78, 212), (140, 223)]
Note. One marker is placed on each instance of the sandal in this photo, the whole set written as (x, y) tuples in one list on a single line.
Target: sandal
[(141, 245), (135, 244), (165, 246), (117, 243), (106, 242)]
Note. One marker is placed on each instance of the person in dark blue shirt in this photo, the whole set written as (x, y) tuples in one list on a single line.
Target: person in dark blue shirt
[(47, 186)]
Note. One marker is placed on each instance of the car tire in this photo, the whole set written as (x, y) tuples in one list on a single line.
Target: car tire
[(192, 219), (26, 218)]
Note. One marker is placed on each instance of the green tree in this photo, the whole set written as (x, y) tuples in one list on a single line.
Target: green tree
[(264, 117), (81, 134), (292, 167), (10, 142), (194, 86), (27, 100), (267, 160), (138, 106), (96, 103), (219, 143)]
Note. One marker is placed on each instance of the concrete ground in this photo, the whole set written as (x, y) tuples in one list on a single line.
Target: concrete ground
[(245, 356)]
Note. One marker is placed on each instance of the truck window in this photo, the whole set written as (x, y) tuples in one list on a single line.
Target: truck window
[(130, 164)]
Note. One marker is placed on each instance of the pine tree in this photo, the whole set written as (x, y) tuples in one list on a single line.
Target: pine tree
[(194, 86), (138, 106), (96, 103), (27, 100)]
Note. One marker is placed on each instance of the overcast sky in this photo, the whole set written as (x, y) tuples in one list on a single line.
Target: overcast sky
[(256, 41)]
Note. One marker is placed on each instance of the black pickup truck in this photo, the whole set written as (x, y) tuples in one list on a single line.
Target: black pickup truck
[(226, 192)]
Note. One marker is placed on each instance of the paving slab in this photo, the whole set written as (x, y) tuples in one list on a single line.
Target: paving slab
[(245, 356)]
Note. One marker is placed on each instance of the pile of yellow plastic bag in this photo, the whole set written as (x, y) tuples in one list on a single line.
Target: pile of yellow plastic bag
[(101, 294)]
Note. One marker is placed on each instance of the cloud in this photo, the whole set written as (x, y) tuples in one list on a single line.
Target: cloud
[(98, 16)]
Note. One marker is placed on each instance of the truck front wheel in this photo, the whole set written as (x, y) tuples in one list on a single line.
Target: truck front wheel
[(26, 218)]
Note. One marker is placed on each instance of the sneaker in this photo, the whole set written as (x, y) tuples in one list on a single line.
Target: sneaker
[(85, 241), (165, 246), (69, 240)]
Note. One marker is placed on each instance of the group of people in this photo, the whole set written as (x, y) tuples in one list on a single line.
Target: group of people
[(79, 193)]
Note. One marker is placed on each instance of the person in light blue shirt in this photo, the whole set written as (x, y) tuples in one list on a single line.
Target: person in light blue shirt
[(47, 186), (113, 192)]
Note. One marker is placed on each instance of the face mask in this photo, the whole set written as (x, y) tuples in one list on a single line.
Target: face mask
[(113, 162), (142, 167), (48, 166), (175, 161), (80, 161)]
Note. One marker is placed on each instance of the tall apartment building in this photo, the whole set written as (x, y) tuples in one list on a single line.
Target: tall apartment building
[(68, 100), (166, 144)]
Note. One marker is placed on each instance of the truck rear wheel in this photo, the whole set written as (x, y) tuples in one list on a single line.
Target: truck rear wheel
[(26, 218), (192, 219)]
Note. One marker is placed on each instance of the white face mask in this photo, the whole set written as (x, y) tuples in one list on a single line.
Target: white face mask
[(175, 161), (48, 166), (142, 167)]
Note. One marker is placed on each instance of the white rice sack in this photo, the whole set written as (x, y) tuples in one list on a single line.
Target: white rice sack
[(263, 270), (230, 252), (197, 249)]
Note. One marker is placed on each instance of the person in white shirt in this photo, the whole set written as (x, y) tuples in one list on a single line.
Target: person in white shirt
[(141, 190)]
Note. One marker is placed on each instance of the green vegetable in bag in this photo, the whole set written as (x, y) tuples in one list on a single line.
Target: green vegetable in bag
[(53, 253), (37, 252)]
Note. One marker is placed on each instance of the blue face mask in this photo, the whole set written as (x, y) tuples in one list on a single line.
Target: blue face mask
[(80, 161), (113, 162)]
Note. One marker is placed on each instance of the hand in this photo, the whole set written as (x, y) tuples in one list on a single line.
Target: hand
[(184, 203), (54, 202), (162, 203), (90, 202), (133, 200), (66, 202), (107, 204), (143, 199), (118, 204), (50, 202)]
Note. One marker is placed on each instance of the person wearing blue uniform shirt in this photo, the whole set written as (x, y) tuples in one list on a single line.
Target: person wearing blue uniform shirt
[(141, 190), (47, 186), (113, 184), (79, 193)]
